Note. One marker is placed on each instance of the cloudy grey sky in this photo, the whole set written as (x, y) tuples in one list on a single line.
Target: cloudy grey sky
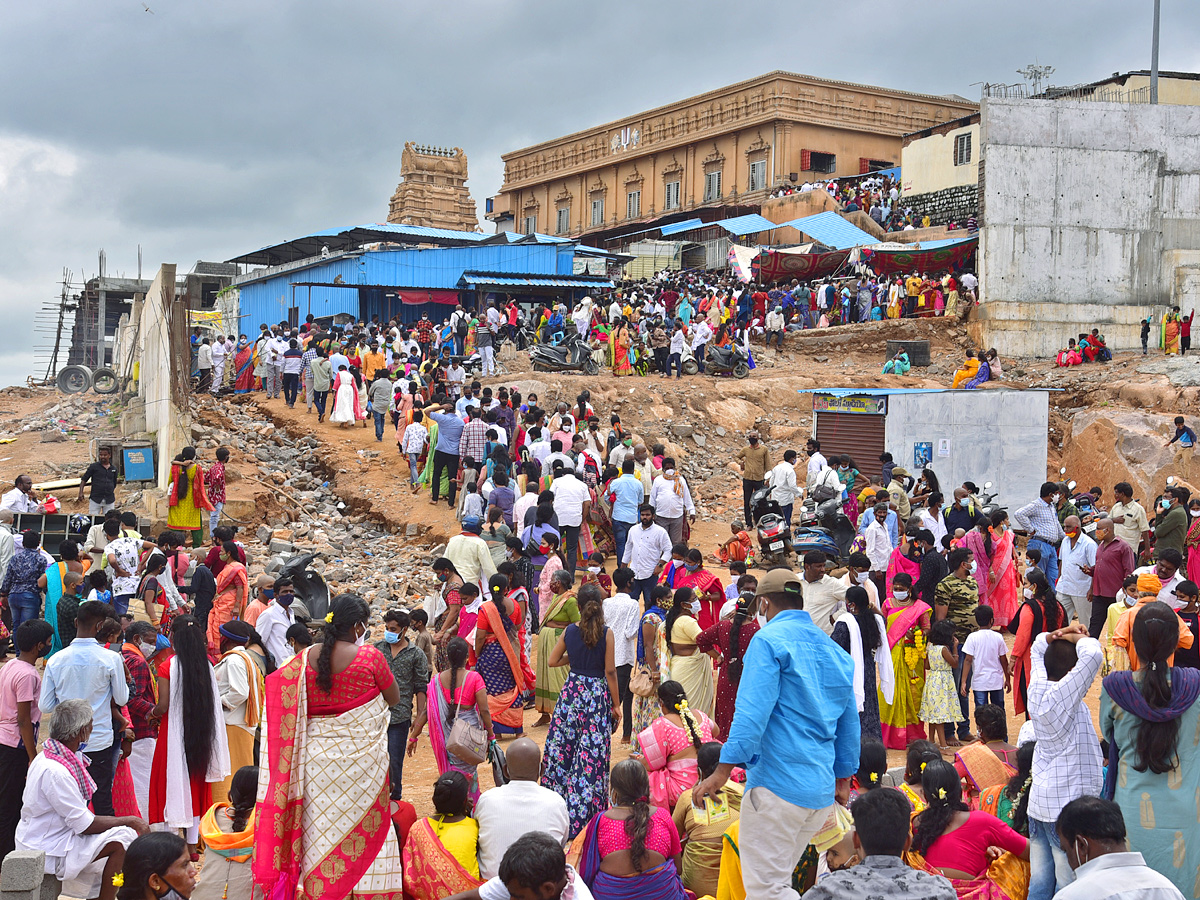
[(202, 130)]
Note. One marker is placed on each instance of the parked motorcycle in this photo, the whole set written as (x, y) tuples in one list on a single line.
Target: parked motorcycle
[(735, 361), (572, 355), (312, 594), (830, 531), (774, 534)]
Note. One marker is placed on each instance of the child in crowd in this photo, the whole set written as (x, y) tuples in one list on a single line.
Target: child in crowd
[(595, 574), (467, 477), (1188, 594), (472, 505), (228, 832), (1115, 658), (1033, 556), (298, 637), (984, 651), (68, 606), (419, 621), (939, 703), (959, 536), (98, 584), (737, 549), (872, 769), (737, 569)]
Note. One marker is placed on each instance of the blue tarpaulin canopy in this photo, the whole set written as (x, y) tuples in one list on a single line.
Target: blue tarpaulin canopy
[(832, 230), (685, 225)]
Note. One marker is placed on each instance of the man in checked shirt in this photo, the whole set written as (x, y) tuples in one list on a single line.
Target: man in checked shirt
[(1067, 763)]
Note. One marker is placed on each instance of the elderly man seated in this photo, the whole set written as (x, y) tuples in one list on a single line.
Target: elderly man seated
[(84, 850)]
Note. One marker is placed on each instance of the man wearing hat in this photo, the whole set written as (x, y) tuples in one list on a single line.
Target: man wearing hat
[(470, 554), (897, 493), (796, 732)]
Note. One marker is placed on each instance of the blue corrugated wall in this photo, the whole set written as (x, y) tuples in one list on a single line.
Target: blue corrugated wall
[(438, 268)]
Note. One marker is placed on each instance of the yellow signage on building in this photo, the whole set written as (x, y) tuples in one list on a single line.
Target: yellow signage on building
[(860, 403)]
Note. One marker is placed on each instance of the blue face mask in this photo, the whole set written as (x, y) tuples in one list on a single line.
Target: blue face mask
[(392, 637), (82, 746)]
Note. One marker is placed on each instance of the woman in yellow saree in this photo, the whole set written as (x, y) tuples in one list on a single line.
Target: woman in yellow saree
[(907, 625), (188, 500), (323, 826), (679, 659), (440, 853), (1171, 333)]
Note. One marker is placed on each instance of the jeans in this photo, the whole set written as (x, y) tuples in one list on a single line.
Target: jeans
[(319, 398), (642, 588), (626, 697), (786, 512), (414, 473), (448, 461), (776, 336), (621, 535), (749, 486), (964, 704), (24, 606), (99, 507), (380, 418), (661, 363), (1049, 561), (291, 387), (101, 766), (983, 698), (1048, 865), (699, 352), (397, 737), (674, 361), (570, 534), (215, 516)]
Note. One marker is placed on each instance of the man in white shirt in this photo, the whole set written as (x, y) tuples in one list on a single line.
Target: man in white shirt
[(556, 456), (539, 449), (1091, 832), (816, 461), (879, 540), (614, 309), (702, 333), (470, 554), (21, 498), (1067, 763), (622, 614), (784, 488), (204, 362), (121, 553), (824, 596), (1129, 517), (858, 572), (456, 376), (1076, 557), (1167, 569), (647, 550), (507, 813), (275, 348), (219, 352), (572, 505), (672, 500), (276, 619)]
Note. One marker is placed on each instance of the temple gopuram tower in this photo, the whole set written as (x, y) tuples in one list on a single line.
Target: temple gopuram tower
[(433, 190)]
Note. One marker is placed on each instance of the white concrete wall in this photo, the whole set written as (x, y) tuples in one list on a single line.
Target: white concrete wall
[(927, 164), (1083, 206), (995, 435), (168, 423)]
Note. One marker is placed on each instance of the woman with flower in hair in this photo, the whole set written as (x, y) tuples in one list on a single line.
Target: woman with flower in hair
[(670, 745)]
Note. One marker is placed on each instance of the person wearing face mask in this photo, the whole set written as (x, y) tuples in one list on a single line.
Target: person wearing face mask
[(1171, 523), (1091, 832), (410, 669), (240, 673), (860, 631), (796, 731), (708, 591), (275, 620), (1077, 560), (755, 461), (908, 622), (956, 598), (1040, 521), (679, 658), (1040, 612), (233, 590), (138, 649), (672, 500), (859, 572), (729, 639), (339, 765)]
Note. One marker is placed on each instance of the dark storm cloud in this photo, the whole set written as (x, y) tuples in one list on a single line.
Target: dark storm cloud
[(203, 130)]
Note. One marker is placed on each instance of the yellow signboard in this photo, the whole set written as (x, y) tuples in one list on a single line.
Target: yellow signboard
[(857, 403)]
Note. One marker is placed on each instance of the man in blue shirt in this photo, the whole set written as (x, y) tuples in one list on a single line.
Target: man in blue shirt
[(445, 454), (1183, 434), (892, 523), (628, 493), (796, 732), (88, 671)]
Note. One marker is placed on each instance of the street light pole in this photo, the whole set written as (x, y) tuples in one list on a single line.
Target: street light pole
[(1154, 58)]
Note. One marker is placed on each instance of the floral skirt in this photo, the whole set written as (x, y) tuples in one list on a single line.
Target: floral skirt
[(578, 748)]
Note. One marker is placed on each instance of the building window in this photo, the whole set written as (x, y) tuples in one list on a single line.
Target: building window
[(562, 223), (825, 163), (758, 175), (672, 201), (598, 212), (633, 204), (962, 149), (712, 186), (530, 225)]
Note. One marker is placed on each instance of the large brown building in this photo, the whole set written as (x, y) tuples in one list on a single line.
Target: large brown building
[(722, 151), (433, 190)]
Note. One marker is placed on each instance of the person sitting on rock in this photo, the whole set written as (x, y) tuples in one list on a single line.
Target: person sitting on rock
[(898, 364), (1069, 356), (968, 370)]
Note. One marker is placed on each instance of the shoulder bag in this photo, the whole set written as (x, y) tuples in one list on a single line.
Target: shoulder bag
[(466, 741)]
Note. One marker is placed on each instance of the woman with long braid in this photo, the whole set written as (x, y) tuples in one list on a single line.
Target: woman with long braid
[(670, 745), (727, 642), (325, 748)]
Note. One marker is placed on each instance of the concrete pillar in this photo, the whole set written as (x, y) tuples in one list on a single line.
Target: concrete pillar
[(100, 320)]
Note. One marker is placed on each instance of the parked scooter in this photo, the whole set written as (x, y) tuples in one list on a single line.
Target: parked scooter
[(312, 594), (774, 534), (830, 531), (735, 361), (572, 355)]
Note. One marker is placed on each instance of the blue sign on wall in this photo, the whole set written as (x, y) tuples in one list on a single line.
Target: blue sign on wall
[(138, 463)]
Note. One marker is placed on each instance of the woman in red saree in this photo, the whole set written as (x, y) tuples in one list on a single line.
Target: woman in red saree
[(323, 827), (621, 343), (991, 542), (233, 589), (499, 653), (908, 622), (243, 369)]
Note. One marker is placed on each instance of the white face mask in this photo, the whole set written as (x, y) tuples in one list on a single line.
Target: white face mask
[(974, 566), (147, 649), (668, 471), (595, 570), (760, 619), (1056, 498), (361, 639), (900, 595), (1194, 512), (1028, 593), (694, 606), (862, 577)]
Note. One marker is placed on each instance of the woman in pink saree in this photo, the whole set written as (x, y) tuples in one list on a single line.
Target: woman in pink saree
[(908, 622), (991, 542), (669, 745)]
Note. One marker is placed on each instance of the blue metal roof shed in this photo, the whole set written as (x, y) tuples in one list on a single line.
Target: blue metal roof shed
[(832, 230)]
